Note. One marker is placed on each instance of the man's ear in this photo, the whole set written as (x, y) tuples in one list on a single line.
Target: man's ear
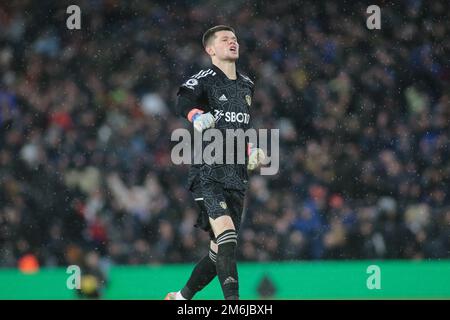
[(210, 50)]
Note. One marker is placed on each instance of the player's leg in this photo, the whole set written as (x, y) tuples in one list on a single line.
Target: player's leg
[(205, 270), (202, 274), (226, 238), (225, 228)]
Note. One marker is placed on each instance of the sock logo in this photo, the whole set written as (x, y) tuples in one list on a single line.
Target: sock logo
[(229, 280)]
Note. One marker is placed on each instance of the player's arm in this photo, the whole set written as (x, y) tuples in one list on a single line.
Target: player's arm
[(193, 105)]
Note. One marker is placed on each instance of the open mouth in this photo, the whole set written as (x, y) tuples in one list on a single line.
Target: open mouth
[(233, 49)]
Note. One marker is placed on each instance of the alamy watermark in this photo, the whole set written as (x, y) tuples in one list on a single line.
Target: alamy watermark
[(74, 279), (228, 146), (374, 20), (74, 20), (374, 280)]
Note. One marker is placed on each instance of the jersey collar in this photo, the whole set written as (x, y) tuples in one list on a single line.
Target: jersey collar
[(223, 75)]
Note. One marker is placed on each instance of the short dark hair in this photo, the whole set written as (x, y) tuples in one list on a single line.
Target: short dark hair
[(211, 32)]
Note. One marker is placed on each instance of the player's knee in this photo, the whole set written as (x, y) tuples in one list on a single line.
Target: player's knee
[(221, 224), (226, 243)]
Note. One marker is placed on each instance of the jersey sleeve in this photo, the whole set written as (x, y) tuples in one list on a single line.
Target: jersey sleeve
[(192, 98)]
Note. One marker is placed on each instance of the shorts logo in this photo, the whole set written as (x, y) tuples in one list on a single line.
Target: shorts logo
[(223, 204), (248, 99)]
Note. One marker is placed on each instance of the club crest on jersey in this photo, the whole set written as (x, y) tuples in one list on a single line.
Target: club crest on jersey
[(248, 99), (223, 204)]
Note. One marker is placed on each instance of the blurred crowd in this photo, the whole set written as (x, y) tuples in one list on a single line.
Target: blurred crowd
[(86, 118)]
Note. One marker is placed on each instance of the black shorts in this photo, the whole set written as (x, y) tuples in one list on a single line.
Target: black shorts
[(215, 201)]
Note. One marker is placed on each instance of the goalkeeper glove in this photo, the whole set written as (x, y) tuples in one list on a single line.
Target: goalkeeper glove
[(256, 156), (203, 121)]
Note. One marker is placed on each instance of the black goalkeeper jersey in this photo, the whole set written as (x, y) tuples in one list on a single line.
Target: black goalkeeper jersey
[(229, 101)]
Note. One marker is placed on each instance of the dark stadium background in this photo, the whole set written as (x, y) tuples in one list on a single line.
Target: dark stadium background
[(86, 116)]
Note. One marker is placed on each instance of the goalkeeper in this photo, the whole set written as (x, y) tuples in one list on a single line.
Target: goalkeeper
[(219, 97)]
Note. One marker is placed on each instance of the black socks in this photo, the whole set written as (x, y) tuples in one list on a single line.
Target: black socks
[(223, 264), (201, 276), (226, 264)]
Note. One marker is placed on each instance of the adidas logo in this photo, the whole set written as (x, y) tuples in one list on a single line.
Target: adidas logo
[(229, 280), (223, 98)]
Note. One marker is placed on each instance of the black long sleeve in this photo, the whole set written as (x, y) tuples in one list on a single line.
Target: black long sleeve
[(184, 105)]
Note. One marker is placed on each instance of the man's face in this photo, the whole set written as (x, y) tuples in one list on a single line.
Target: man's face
[(224, 46)]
